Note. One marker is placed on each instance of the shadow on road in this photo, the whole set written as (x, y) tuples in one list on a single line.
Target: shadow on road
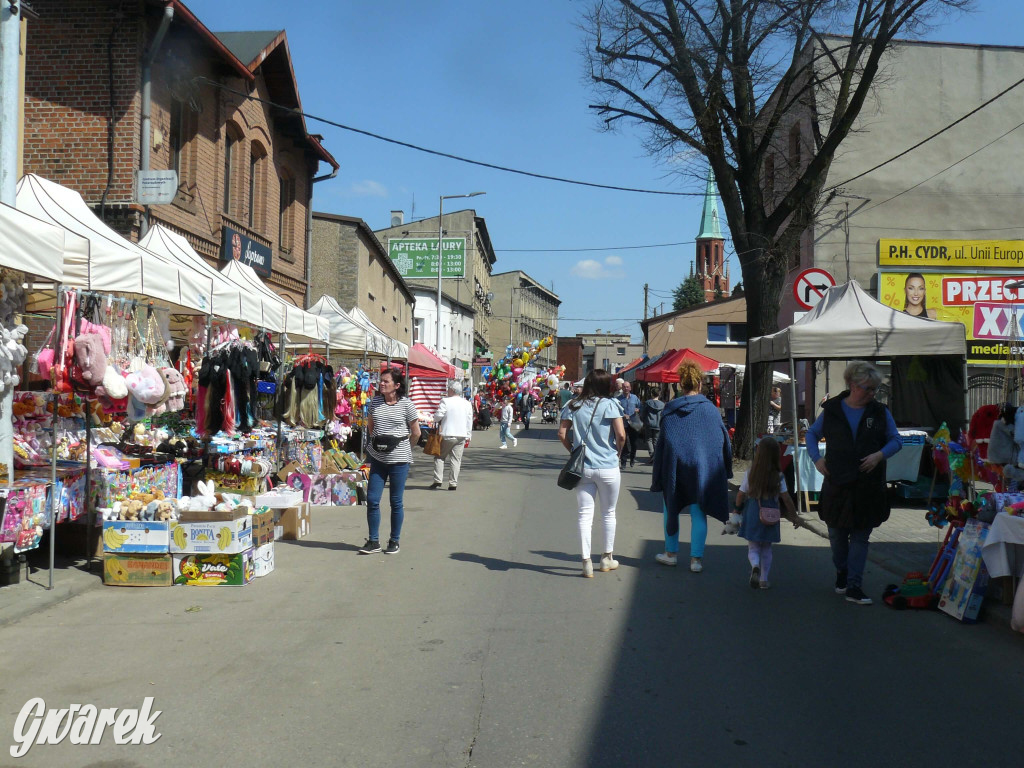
[(496, 564)]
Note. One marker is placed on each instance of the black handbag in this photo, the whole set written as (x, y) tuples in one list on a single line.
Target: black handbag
[(386, 443), (572, 472)]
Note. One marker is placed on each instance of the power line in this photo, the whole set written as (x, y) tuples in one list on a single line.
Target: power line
[(606, 248), (438, 153), (927, 139)]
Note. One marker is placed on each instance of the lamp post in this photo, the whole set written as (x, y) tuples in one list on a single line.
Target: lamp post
[(440, 254)]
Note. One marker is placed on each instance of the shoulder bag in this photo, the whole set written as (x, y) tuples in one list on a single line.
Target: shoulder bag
[(433, 446), (572, 472), (768, 515)]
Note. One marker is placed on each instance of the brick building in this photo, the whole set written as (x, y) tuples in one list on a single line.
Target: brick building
[(350, 264), (245, 170)]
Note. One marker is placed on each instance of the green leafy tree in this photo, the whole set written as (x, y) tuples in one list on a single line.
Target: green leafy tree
[(722, 83), (690, 293)]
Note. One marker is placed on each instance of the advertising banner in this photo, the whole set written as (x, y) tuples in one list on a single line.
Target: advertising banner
[(416, 257), (951, 254), (242, 248), (985, 304)]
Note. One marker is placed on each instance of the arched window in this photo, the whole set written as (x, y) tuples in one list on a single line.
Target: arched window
[(232, 144), (257, 187), (285, 223)]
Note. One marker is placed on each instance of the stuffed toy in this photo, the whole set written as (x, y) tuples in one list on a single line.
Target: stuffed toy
[(164, 511), (149, 513), (131, 509), (177, 390), (980, 429), (90, 358), (146, 385)]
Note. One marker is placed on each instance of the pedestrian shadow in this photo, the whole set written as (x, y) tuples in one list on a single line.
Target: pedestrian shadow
[(337, 546), (630, 562), (496, 564)]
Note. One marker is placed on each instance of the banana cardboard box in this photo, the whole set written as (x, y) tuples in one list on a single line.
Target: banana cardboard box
[(263, 559), (215, 536), (136, 570), (140, 536), (219, 570)]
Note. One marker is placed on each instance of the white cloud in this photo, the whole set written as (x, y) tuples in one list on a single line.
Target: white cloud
[(589, 269), (368, 188)]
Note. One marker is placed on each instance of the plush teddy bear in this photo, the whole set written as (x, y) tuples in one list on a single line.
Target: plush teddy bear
[(131, 509), (164, 511)]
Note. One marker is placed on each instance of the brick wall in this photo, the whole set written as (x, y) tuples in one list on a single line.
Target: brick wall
[(68, 96)]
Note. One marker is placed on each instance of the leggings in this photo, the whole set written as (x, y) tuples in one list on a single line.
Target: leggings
[(759, 553), (698, 531)]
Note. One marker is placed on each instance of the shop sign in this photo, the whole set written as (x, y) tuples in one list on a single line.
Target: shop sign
[(155, 187), (946, 254), (239, 247), (988, 305), (416, 257)]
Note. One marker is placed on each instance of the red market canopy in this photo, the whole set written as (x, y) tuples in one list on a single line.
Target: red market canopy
[(631, 366), (425, 364), (664, 371)]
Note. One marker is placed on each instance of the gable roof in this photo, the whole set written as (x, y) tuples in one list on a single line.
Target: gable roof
[(248, 47)]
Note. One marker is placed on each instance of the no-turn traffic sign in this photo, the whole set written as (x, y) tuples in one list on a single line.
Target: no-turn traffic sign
[(810, 285)]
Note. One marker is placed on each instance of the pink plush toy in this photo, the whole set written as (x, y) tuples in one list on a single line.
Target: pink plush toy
[(91, 358), (176, 385), (146, 386)]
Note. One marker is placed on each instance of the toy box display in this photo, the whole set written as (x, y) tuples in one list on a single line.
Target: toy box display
[(109, 486), (208, 570), (308, 454), (340, 489), (123, 570), (137, 536), (263, 560), (24, 513), (226, 482), (279, 498), (292, 523), (212, 532), (965, 587)]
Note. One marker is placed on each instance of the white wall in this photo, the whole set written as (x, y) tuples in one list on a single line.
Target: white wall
[(456, 326)]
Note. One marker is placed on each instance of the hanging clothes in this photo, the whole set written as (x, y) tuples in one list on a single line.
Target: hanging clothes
[(308, 395)]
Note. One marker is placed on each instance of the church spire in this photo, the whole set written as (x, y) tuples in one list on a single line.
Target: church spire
[(710, 226)]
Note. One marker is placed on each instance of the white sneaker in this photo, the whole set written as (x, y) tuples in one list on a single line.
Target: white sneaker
[(608, 563), (503, 447), (588, 569), (515, 443), (696, 566), (666, 558)]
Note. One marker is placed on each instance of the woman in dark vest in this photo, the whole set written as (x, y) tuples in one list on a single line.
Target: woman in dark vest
[(859, 436)]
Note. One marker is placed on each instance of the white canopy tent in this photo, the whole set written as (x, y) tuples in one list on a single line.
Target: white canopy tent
[(346, 336), (230, 300), (113, 264), (849, 324), (384, 344), (297, 322), (33, 246)]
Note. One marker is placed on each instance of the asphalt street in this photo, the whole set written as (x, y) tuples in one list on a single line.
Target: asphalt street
[(480, 645)]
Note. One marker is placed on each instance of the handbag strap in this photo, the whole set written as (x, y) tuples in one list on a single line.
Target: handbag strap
[(592, 415)]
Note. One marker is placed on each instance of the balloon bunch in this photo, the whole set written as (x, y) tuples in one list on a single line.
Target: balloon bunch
[(354, 392), (514, 375)]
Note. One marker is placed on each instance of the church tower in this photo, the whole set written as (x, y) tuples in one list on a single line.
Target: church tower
[(711, 248)]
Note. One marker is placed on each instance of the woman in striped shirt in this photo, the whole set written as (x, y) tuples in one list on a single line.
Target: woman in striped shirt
[(393, 429)]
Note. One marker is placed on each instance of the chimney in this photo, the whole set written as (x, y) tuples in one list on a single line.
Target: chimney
[(397, 218)]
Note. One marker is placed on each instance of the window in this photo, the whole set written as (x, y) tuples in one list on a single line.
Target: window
[(620, 351), (417, 331), (231, 140), (727, 333), (257, 187), (174, 137), (285, 226)]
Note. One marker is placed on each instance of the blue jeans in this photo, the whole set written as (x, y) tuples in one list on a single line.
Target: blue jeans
[(850, 552), (379, 474), (698, 530), (503, 430)]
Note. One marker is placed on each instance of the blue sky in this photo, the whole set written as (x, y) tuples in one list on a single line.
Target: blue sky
[(503, 83)]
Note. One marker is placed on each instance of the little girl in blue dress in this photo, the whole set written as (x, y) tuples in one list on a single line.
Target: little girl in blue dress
[(764, 486)]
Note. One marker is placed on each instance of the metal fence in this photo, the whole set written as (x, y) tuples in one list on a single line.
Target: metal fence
[(991, 389)]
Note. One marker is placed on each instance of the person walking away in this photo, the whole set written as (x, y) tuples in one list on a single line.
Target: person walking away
[(630, 405), (692, 466), (596, 421), (454, 419), (775, 411), (564, 395), (505, 428), (526, 408), (763, 487), (393, 427), (860, 435), (650, 415)]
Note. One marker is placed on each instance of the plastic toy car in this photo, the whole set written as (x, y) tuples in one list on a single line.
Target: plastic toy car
[(913, 593)]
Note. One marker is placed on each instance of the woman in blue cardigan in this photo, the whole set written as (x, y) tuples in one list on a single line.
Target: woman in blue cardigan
[(692, 466)]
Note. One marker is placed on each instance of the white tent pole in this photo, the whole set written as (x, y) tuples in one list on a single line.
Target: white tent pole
[(796, 435), (53, 397)]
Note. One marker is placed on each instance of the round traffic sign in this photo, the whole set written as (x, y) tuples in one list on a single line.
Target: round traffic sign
[(810, 285)]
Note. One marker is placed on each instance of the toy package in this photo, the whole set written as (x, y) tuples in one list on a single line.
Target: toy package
[(965, 588)]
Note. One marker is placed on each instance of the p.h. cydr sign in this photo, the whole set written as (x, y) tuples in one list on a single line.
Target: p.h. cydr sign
[(810, 286)]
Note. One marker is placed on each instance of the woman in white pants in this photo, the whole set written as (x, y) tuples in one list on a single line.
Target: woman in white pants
[(596, 421)]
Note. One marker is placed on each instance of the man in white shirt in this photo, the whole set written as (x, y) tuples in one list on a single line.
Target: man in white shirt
[(454, 420)]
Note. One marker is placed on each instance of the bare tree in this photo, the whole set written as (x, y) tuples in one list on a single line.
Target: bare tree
[(762, 91)]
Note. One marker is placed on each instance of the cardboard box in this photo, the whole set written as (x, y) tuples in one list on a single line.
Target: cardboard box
[(294, 522), (139, 536), (77, 539), (215, 536), (262, 528), (136, 570), (218, 570), (263, 559), (279, 498)]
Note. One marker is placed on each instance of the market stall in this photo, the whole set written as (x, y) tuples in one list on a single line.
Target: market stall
[(428, 378), (664, 370), (387, 346)]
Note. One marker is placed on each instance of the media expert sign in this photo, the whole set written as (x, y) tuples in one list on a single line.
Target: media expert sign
[(991, 310), (239, 247), (960, 254), (417, 257)]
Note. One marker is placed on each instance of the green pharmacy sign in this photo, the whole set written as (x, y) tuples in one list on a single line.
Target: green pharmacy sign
[(416, 258)]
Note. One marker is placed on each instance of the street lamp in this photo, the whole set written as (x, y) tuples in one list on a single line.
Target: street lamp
[(440, 253)]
